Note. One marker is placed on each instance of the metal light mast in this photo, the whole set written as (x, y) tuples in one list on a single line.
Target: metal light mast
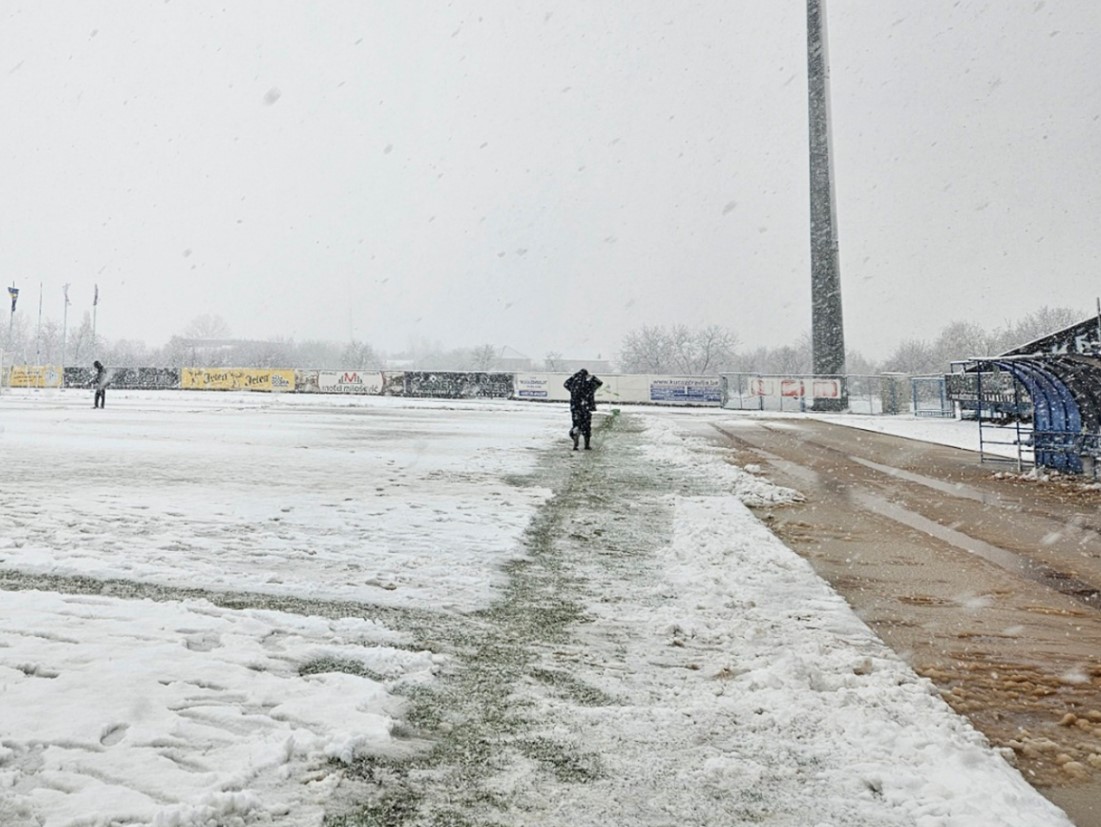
[(827, 329)]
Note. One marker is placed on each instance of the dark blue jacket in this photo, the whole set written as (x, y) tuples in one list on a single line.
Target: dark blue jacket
[(582, 387)]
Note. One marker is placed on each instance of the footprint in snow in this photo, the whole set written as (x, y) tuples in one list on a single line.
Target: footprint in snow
[(112, 734), (202, 642)]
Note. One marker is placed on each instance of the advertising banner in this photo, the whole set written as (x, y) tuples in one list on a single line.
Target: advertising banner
[(997, 386), (623, 388), (35, 376), (791, 387), (548, 387), (545, 387), (126, 378), (826, 388), (458, 384), (639, 389), (305, 381), (795, 387), (762, 386), (349, 381), (686, 390), (236, 379)]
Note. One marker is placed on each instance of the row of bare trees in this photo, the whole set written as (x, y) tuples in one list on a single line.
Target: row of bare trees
[(962, 340), (206, 342), (32, 343), (679, 349)]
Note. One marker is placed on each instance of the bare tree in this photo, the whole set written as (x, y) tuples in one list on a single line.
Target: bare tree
[(647, 350), (15, 344), (176, 353), (483, 357), (961, 340), (207, 326), (316, 354), (361, 356), (913, 356), (678, 349), (554, 362), (49, 343), (682, 347), (856, 364), (126, 353), (1036, 325), (274, 354), (80, 344), (711, 350), (789, 360)]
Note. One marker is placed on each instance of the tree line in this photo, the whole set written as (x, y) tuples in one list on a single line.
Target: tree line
[(677, 349)]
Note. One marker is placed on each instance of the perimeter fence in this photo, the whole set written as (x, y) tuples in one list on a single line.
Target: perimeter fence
[(863, 394), (878, 394)]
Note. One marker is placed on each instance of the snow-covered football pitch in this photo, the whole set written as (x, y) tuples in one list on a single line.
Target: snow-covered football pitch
[(234, 609)]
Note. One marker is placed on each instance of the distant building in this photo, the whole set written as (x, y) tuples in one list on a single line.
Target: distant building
[(511, 360), (220, 352)]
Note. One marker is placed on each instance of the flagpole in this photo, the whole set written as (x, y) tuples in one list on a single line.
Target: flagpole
[(38, 332), (95, 304), (14, 293), (64, 325)]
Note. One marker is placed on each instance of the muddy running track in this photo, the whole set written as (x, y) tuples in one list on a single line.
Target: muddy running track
[(988, 584)]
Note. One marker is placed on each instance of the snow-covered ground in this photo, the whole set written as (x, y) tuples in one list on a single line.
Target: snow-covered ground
[(233, 609)]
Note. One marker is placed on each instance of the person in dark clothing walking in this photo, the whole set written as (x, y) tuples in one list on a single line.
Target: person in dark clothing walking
[(100, 384), (582, 388)]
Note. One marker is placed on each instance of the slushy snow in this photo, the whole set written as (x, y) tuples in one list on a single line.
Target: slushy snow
[(165, 660)]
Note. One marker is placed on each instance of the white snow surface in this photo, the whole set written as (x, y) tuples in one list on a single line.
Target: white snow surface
[(743, 689)]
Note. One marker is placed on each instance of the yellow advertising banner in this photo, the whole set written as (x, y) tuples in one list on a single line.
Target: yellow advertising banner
[(236, 379), (34, 376)]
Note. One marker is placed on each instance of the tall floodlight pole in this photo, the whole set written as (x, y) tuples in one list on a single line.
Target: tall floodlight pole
[(827, 329)]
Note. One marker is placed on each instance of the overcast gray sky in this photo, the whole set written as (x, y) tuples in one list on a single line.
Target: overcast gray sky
[(546, 176)]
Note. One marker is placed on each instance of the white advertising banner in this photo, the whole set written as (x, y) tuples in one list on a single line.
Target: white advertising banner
[(639, 389), (622, 388), (548, 387), (793, 392), (349, 381), (545, 387)]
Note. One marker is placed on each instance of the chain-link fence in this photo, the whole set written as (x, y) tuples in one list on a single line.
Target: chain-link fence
[(891, 393)]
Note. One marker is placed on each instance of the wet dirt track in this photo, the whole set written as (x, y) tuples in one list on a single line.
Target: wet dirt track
[(988, 584)]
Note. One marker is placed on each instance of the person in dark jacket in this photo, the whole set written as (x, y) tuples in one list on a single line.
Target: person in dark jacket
[(582, 387), (100, 384)]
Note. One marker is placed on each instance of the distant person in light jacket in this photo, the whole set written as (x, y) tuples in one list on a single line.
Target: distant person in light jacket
[(100, 384), (582, 388)]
